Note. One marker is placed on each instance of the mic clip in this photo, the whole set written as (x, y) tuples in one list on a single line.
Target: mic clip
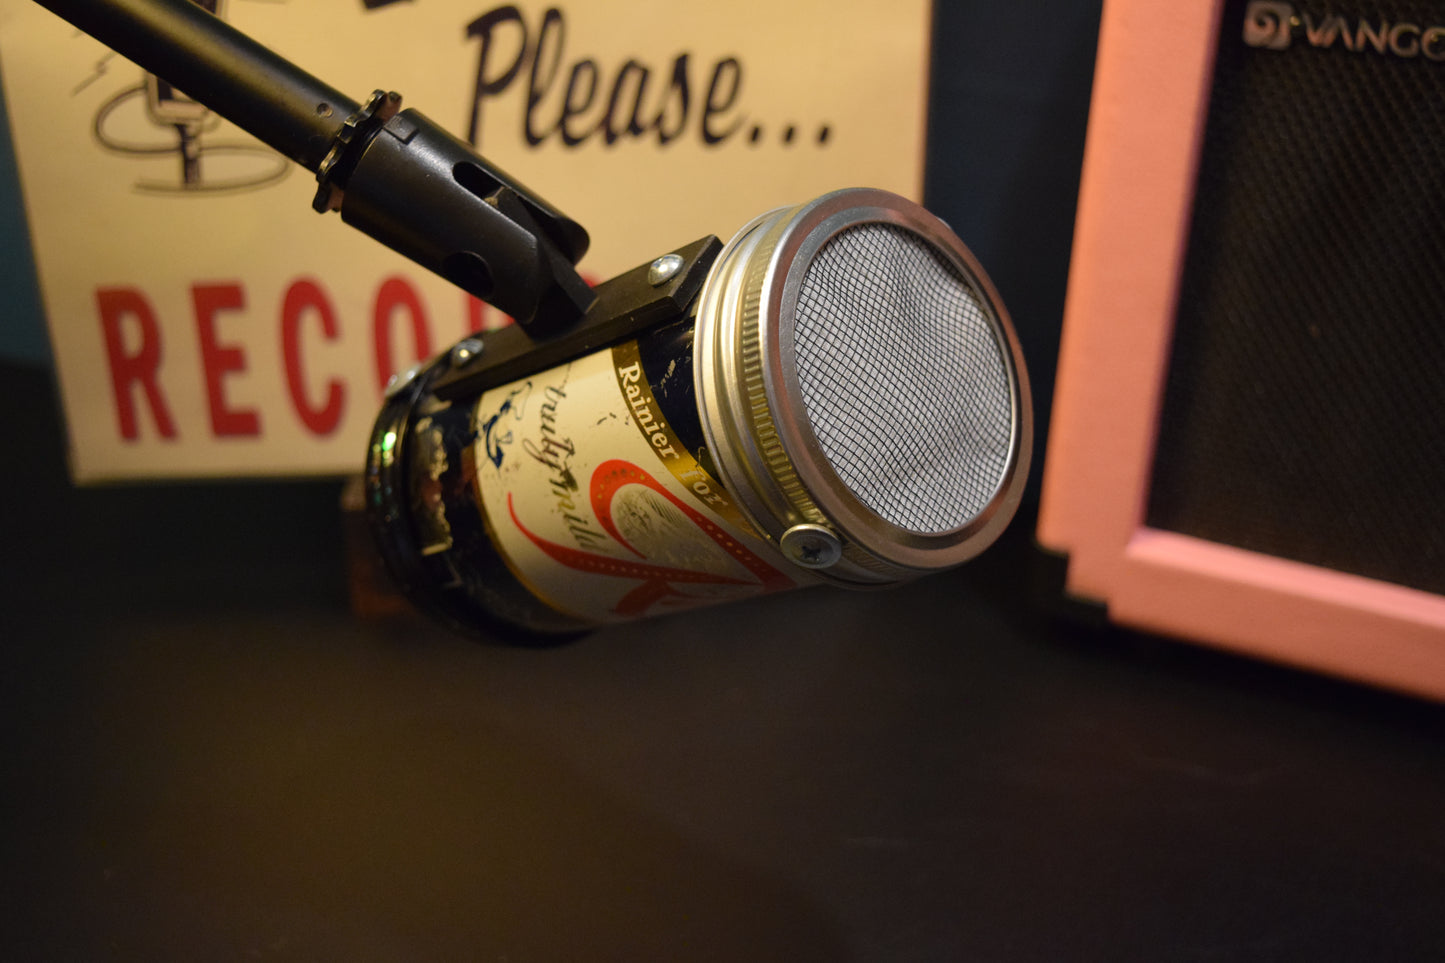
[(399, 177), (626, 305)]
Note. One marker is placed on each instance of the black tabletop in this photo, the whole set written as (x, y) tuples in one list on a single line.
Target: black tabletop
[(208, 756)]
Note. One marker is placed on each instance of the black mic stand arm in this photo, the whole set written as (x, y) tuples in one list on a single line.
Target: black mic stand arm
[(392, 173), (405, 181)]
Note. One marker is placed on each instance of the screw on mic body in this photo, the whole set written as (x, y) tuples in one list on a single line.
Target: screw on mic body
[(464, 351), (811, 546), (663, 269)]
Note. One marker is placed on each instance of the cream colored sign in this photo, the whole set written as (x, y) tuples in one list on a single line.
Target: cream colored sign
[(206, 322), (597, 506)]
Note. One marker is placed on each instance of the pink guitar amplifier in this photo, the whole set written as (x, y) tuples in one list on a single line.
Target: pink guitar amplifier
[(1248, 438)]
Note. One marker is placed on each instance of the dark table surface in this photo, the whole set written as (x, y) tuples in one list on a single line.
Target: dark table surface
[(207, 756)]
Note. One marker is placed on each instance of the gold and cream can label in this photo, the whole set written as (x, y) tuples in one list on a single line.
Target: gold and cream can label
[(599, 509)]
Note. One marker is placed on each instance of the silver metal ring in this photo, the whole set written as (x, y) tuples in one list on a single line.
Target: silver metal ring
[(753, 408)]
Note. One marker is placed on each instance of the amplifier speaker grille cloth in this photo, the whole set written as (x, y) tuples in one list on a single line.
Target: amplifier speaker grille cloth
[(1306, 393), (902, 374)]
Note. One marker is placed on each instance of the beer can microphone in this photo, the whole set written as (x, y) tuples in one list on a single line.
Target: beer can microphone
[(836, 396)]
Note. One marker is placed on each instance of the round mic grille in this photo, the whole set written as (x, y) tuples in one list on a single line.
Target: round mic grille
[(858, 381), (903, 378)]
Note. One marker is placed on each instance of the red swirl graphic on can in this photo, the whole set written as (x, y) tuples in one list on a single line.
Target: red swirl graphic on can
[(659, 582)]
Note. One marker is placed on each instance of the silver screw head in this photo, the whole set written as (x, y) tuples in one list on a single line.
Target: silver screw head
[(663, 269), (811, 546), (401, 379), (465, 351)]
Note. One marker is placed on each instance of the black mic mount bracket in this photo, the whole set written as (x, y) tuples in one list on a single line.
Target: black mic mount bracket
[(393, 174)]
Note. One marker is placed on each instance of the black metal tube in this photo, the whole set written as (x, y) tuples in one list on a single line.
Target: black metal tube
[(259, 91)]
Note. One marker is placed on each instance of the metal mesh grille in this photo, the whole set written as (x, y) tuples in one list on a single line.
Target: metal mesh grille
[(903, 378)]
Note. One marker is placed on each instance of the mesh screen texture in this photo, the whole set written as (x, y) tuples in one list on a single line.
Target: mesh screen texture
[(1303, 409), (903, 378)]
